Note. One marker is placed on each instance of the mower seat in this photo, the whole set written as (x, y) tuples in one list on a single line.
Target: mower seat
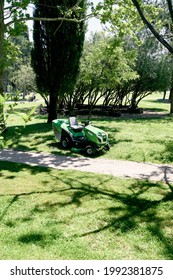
[(74, 124)]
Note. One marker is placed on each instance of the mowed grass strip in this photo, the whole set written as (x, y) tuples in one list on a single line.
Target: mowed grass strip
[(54, 214)]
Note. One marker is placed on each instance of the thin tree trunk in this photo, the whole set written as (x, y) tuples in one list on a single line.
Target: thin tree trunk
[(1, 44), (171, 98), (171, 92), (52, 109), (164, 95), (2, 122)]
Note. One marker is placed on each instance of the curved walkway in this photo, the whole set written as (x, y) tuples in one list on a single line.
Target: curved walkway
[(118, 168)]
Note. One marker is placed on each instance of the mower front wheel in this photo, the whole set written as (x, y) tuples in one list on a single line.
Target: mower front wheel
[(90, 151), (107, 147), (65, 143)]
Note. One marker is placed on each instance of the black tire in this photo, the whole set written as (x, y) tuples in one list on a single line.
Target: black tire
[(90, 151), (107, 147), (65, 142)]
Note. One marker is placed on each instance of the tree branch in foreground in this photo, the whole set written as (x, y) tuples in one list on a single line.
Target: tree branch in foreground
[(151, 27)]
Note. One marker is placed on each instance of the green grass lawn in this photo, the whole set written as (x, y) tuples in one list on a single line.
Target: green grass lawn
[(155, 102), (138, 138), (53, 214)]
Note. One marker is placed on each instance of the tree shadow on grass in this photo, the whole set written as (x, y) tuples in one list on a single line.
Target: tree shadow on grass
[(19, 136), (167, 154), (38, 238), (41, 134), (160, 101), (31, 238), (137, 207), (140, 203), (153, 109)]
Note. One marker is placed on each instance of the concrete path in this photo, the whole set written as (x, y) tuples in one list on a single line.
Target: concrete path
[(118, 168)]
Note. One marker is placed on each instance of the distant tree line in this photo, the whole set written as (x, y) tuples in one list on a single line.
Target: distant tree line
[(115, 76)]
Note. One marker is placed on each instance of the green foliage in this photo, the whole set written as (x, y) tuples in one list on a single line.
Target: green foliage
[(105, 68), (24, 45), (26, 117), (24, 79), (124, 18), (121, 16), (3, 117), (10, 50), (106, 64), (153, 66), (18, 28), (7, 109), (18, 72), (11, 53), (19, 75), (17, 11)]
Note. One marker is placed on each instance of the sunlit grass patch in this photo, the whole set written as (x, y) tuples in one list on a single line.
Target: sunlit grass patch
[(53, 214)]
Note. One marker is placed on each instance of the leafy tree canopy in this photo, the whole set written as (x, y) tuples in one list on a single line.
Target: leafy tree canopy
[(125, 17)]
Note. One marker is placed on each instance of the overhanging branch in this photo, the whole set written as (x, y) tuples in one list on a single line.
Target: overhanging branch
[(151, 27), (49, 19), (169, 2), (43, 19)]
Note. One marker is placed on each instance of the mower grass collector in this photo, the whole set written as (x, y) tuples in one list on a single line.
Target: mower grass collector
[(80, 138)]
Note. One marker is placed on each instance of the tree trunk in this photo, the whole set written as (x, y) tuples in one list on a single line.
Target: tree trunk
[(2, 122), (164, 95), (52, 109), (1, 44), (133, 100), (171, 99), (171, 93)]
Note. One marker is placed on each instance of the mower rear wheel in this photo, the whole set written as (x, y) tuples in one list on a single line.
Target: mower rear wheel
[(90, 151), (65, 142)]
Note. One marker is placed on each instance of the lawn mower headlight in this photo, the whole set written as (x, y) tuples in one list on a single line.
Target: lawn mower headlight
[(104, 137), (99, 138)]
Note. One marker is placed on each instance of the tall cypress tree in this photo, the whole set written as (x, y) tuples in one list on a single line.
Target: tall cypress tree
[(57, 49)]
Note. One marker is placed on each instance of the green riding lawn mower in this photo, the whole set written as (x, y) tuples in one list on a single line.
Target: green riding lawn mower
[(80, 138)]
